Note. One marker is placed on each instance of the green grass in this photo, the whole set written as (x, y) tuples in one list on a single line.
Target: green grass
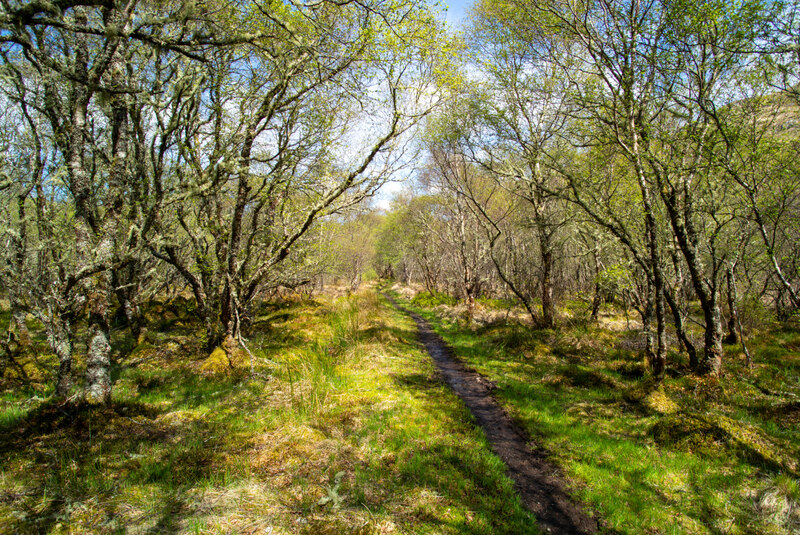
[(690, 456), (345, 428), (432, 299)]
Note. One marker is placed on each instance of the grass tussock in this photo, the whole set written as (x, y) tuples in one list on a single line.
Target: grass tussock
[(682, 455), (343, 428)]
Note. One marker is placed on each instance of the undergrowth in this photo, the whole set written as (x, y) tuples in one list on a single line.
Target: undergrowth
[(432, 299), (343, 428)]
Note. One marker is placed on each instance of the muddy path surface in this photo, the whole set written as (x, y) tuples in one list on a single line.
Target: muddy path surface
[(540, 484)]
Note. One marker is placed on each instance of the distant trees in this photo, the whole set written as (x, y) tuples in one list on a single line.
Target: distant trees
[(408, 244), (349, 246), (266, 158), (146, 145), (658, 124), (208, 138)]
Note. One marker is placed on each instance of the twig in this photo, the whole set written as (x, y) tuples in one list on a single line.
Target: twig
[(241, 341), (735, 312)]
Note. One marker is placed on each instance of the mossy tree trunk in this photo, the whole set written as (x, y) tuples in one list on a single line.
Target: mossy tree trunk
[(98, 355), (60, 338)]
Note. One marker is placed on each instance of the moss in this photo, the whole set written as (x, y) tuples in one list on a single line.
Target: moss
[(216, 363), (688, 432), (628, 369), (785, 414), (707, 388), (583, 377), (659, 402), (143, 337), (143, 349), (641, 390), (710, 433), (751, 444), (431, 299)]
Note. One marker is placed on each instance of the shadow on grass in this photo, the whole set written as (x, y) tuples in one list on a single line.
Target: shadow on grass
[(419, 382), (388, 334), (169, 431), (62, 444), (641, 493), (458, 469), (64, 455), (455, 473), (606, 427), (174, 509), (73, 421)]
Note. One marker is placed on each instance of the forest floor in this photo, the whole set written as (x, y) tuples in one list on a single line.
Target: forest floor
[(344, 428), (684, 455), (347, 427)]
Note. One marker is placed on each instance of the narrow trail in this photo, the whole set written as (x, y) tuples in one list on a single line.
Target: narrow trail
[(539, 483)]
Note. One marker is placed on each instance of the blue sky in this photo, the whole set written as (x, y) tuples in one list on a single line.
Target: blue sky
[(456, 14), (456, 10)]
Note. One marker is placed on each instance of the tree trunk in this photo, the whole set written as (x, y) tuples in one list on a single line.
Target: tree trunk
[(524, 299), (677, 313), (647, 326), (213, 325), (712, 359), (731, 337), (59, 334), (658, 359), (227, 315), (659, 363), (214, 335), (705, 288), (548, 306), (124, 282), (597, 299), (470, 301), (18, 334), (98, 357), (735, 313), (355, 282), (680, 330)]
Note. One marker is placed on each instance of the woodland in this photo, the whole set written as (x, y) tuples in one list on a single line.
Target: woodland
[(218, 219)]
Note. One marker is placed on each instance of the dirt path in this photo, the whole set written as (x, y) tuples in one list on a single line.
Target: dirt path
[(539, 483)]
